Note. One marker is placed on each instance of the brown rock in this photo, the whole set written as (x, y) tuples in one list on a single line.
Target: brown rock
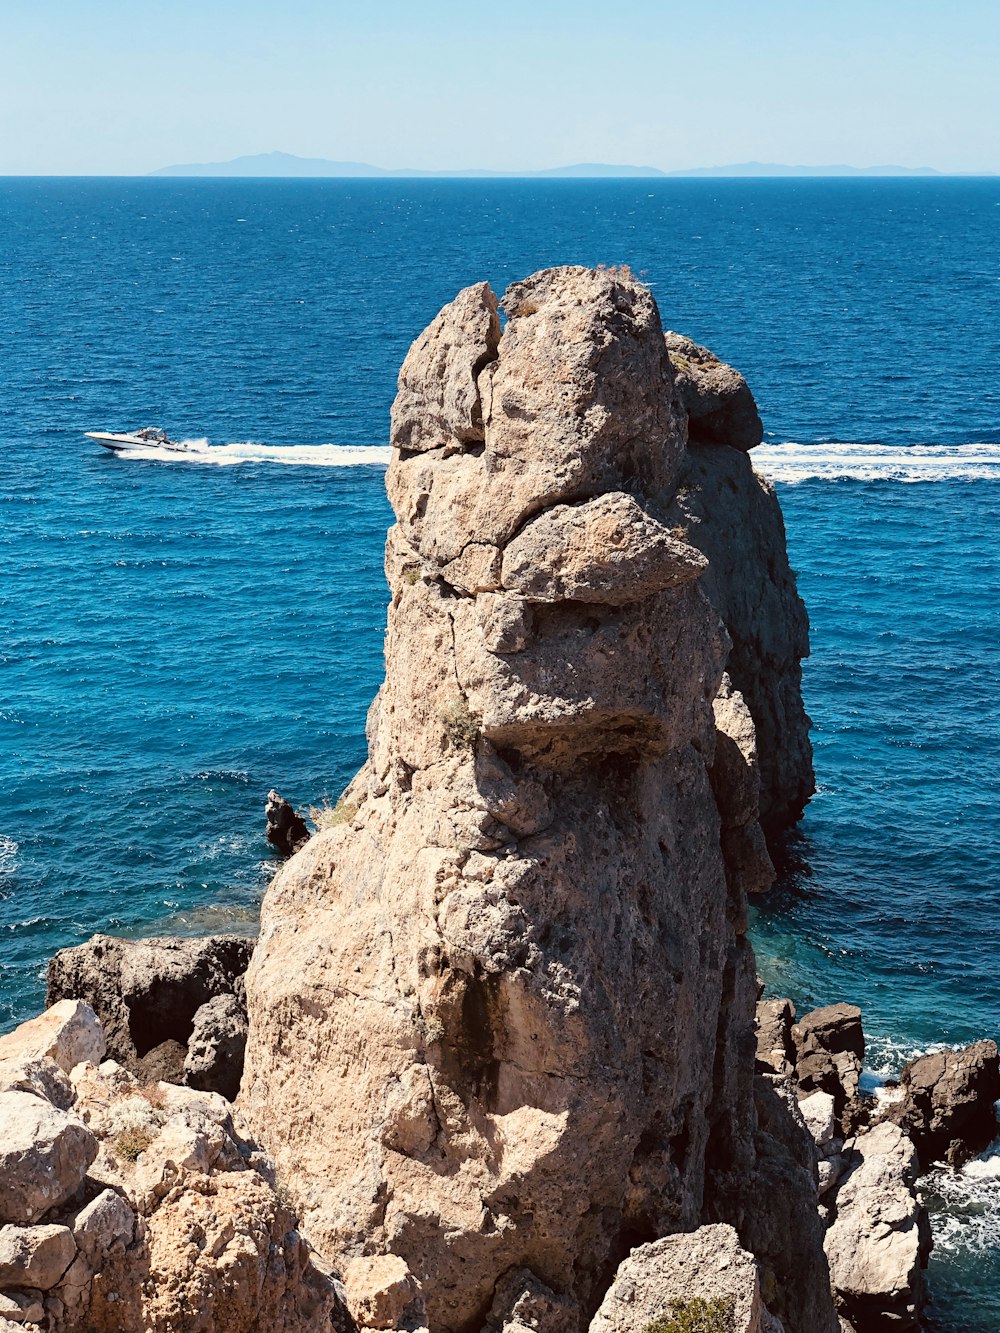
[(380, 1291), (607, 550), (44, 1156), (35, 1256), (702, 1273), (147, 992), (948, 1103), (214, 1060), (775, 1047), (733, 517), (438, 404), (285, 828), (67, 1034), (501, 1019), (879, 1241), (717, 399)]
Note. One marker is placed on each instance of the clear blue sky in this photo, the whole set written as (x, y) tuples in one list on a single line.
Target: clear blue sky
[(123, 86)]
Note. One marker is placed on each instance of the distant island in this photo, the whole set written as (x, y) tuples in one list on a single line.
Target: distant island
[(285, 165)]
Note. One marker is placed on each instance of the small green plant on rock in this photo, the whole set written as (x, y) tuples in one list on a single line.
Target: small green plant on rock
[(329, 816), (132, 1140), (697, 1315), (461, 725)]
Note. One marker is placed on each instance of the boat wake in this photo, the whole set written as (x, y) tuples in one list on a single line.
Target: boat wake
[(791, 463), (302, 455), (788, 463)]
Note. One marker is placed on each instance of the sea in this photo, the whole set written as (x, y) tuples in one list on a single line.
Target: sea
[(178, 635)]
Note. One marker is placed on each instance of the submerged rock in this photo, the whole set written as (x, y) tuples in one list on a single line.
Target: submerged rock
[(501, 1014)]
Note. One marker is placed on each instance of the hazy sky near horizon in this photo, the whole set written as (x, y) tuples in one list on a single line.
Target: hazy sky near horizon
[(126, 86)]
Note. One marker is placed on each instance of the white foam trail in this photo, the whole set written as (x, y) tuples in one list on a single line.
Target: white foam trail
[(791, 463), (301, 455), (788, 463)]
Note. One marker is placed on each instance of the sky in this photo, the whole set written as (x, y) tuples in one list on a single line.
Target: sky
[(111, 87)]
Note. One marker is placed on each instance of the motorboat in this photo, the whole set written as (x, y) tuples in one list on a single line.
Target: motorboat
[(150, 437)]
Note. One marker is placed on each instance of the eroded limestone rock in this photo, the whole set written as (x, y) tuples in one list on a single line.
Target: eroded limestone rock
[(879, 1240), (501, 1016), (705, 1274), (716, 397), (147, 992), (948, 1103)]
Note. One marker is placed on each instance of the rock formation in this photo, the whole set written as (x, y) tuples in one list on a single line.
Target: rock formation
[(705, 1275), (947, 1103), (149, 996), (128, 1207), (501, 1015), (285, 829)]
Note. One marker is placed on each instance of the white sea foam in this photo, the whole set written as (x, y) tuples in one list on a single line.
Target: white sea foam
[(302, 455), (965, 1205), (791, 462), (8, 856), (788, 463)]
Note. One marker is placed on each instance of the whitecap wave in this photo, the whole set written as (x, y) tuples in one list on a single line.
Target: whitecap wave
[(965, 1204), (791, 462), (8, 856), (301, 455)]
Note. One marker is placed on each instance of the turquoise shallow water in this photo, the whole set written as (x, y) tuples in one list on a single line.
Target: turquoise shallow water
[(176, 638)]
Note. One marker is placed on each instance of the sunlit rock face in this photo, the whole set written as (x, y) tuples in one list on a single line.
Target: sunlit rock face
[(501, 1014)]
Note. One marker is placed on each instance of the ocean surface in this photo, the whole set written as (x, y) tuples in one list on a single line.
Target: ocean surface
[(178, 636)]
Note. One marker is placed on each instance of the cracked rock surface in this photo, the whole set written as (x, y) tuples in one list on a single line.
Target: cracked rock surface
[(501, 1016)]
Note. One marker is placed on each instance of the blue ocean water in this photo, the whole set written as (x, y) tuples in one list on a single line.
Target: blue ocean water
[(176, 637)]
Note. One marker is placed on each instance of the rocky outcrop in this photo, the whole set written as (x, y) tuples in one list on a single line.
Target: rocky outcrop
[(948, 1102), (829, 1049), (702, 1280), (143, 1208), (879, 1239), (501, 1014), (717, 399), (285, 829), (732, 515), (147, 994), (214, 1057)]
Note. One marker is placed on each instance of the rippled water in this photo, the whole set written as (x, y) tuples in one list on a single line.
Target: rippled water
[(177, 637)]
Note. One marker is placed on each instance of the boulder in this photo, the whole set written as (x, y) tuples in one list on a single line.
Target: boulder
[(716, 398), (44, 1156), (35, 1256), (704, 1275), (948, 1104), (147, 992), (879, 1241), (381, 1291), (18, 1308), (285, 828), (829, 1048), (107, 1221), (68, 1034), (821, 1121), (214, 1061)]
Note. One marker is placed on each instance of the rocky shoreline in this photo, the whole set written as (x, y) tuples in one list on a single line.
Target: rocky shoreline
[(499, 1059)]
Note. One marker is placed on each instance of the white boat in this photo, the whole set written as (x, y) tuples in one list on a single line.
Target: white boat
[(150, 437)]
